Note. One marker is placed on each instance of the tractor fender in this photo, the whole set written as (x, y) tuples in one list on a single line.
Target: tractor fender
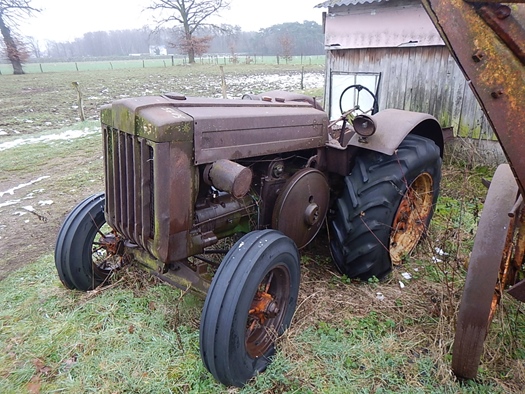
[(393, 125)]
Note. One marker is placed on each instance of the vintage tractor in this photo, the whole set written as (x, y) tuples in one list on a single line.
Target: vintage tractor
[(183, 173), (487, 39)]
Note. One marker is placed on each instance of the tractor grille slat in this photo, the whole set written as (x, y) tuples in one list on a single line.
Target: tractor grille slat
[(129, 185)]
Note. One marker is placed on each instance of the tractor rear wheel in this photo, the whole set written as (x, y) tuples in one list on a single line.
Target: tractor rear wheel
[(385, 207)]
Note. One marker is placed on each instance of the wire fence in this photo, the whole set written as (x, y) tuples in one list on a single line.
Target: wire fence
[(168, 61)]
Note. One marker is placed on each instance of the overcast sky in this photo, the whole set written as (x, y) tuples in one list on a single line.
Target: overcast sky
[(65, 20)]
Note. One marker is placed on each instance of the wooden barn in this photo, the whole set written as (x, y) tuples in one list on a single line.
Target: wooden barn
[(392, 47)]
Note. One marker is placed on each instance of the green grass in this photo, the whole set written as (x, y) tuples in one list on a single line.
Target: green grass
[(142, 337), (164, 61)]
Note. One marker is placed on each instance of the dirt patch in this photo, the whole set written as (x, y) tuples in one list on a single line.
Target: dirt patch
[(31, 216)]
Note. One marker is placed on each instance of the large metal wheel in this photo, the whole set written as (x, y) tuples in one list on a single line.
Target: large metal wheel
[(301, 207), (250, 303), (489, 255), (85, 251)]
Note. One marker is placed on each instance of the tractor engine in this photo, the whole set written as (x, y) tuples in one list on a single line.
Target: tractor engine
[(182, 173)]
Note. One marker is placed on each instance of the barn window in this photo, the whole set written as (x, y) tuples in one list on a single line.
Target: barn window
[(339, 81)]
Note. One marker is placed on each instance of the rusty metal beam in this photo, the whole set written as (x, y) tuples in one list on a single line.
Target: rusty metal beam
[(492, 66), (499, 17)]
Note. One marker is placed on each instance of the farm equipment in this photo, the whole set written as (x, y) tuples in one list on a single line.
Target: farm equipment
[(487, 40), (184, 173)]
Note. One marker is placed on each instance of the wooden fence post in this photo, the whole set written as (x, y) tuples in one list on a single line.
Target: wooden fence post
[(76, 85), (223, 82)]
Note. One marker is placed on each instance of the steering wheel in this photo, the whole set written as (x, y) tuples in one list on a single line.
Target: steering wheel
[(359, 88)]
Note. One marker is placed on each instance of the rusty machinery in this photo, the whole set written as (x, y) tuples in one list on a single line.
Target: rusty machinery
[(487, 39), (183, 173)]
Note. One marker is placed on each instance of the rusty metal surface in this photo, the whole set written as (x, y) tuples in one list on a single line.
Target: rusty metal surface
[(496, 73), (499, 17), (179, 274), (281, 96), (148, 205), (234, 133), (518, 291), (129, 171), (393, 125), (153, 143), (301, 206), (267, 311), (484, 266), (412, 216), (228, 176)]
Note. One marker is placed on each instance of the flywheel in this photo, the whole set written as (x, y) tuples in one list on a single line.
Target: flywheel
[(301, 206)]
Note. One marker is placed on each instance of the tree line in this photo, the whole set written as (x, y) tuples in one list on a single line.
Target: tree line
[(181, 27), (288, 39)]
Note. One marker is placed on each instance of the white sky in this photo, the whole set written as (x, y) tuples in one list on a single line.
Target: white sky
[(65, 20)]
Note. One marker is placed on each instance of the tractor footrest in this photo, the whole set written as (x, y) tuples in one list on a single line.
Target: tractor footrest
[(518, 291)]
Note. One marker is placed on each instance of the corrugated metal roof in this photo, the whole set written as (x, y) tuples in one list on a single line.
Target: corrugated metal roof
[(334, 3), (382, 28)]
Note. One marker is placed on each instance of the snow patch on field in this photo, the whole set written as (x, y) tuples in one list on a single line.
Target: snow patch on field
[(49, 138), (9, 202), (22, 185)]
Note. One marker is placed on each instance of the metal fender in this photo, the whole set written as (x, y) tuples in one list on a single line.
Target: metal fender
[(393, 125)]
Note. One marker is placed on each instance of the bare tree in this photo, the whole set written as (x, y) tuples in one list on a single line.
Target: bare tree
[(33, 46), (10, 13), (191, 14), (286, 47)]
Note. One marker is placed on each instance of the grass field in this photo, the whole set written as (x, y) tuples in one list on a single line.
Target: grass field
[(141, 336), (161, 61)]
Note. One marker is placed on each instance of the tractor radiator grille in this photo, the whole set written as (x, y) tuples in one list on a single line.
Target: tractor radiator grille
[(129, 185)]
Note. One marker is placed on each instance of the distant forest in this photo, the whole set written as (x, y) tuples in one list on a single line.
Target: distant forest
[(287, 39)]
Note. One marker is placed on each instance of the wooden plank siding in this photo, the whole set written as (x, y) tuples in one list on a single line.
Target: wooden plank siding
[(422, 79)]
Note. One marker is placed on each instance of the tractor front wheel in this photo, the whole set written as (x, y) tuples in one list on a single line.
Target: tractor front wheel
[(83, 257), (250, 303)]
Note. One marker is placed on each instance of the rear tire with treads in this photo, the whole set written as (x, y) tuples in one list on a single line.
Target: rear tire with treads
[(361, 223)]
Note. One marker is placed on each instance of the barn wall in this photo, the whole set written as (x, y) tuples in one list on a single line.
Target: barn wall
[(422, 79)]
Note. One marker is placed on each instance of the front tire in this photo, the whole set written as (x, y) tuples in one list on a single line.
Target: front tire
[(385, 207), (250, 303), (81, 263)]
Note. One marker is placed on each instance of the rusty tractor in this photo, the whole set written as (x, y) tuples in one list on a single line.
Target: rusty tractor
[(487, 40), (268, 172)]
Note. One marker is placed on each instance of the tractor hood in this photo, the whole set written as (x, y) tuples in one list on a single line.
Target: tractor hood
[(221, 128)]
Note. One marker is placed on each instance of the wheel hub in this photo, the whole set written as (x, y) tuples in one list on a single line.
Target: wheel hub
[(411, 219), (263, 307)]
